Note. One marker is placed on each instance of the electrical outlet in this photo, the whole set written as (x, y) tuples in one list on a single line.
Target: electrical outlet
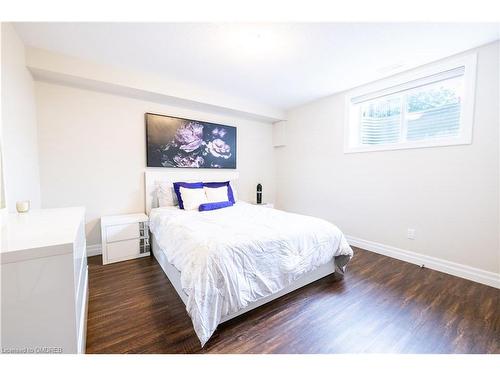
[(411, 234)]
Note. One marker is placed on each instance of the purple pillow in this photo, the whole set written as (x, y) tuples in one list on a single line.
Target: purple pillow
[(230, 195), (214, 206), (186, 185)]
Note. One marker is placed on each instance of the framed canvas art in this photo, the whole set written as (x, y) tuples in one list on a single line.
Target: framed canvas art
[(175, 142)]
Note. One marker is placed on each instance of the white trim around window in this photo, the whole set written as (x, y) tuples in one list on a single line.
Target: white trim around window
[(463, 68)]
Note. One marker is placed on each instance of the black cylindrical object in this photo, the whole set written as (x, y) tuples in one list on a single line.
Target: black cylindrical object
[(259, 193)]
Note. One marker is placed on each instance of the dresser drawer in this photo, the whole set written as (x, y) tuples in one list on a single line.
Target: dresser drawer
[(122, 232), (79, 254), (81, 301), (124, 250)]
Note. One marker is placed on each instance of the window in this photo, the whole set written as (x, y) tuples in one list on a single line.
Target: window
[(424, 108)]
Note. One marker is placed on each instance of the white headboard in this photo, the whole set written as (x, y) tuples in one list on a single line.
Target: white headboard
[(152, 176)]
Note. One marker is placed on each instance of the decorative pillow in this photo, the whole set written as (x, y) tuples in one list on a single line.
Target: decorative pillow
[(166, 194), (217, 194), (192, 198), (232, 185), (214, 206), (186, 185), (230, 194)]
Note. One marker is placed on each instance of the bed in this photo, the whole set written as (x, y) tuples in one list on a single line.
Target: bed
[(226, 262)]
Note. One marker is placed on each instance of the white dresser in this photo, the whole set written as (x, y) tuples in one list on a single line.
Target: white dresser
[(44, 282)]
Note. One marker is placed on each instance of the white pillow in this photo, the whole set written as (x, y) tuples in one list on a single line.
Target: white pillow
[(192, 198), (233, 188), (216, 194), (166, 195)]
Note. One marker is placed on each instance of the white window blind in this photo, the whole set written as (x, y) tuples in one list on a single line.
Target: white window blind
[(381, 121), (421, 112)]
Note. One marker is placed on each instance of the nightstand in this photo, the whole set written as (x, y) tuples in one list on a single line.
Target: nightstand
[(266, 205), (124, 237)]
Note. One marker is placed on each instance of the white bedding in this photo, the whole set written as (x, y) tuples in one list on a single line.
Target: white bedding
[(231, 257)]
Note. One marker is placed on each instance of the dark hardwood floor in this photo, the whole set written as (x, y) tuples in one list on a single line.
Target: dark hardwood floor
[(382, 306)]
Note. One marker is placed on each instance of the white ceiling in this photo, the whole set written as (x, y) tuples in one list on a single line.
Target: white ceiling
[(281, 65)]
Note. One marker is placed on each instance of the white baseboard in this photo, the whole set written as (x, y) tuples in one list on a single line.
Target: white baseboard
[(452, 268), (93, 250)]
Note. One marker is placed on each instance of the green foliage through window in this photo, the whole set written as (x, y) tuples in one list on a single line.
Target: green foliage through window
[(429, 99)]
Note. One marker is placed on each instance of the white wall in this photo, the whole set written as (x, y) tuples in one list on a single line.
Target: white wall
[(450, 195), (93, 151), (19, 128)]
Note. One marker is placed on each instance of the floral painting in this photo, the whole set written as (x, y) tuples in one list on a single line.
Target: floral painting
[(182, 143)]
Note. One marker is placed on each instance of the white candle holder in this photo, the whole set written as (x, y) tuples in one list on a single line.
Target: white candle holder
[(22, 206)]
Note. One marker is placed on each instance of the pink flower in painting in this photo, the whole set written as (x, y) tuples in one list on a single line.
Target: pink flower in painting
[(188, 161), (189, 136), (219, 149), (219, 132)]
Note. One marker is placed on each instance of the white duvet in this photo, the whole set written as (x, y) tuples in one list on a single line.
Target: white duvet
[(233, 256)]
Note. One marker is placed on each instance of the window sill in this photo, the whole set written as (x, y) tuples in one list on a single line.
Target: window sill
[(408, 145)]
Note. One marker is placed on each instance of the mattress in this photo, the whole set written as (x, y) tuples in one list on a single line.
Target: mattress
[(230, 258)]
